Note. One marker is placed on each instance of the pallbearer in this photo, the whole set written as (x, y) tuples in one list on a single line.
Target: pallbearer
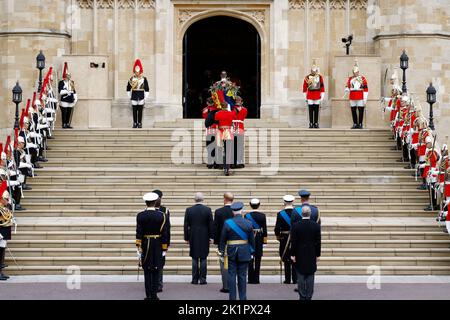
[(224, 137), (282, 231), (259, 223), (314, 91), (138, 92), (359, 92), (152, 234), (68, 97), (208, 114), (239, 132)]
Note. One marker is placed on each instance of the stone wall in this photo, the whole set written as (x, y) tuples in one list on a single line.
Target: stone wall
[(293, 32)]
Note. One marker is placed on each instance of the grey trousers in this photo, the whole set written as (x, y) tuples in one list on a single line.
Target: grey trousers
[(305, 283), (239, 149), (211, 148), (224, 273)]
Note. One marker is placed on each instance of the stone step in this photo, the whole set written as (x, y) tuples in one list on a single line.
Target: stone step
[(213, 269), (177, 226), (326, 235), (145, 131), (268, 252), (212, 259), (70, 211), (272, 200), (213, 188), (361, 244), (43, 191), (200, 171)]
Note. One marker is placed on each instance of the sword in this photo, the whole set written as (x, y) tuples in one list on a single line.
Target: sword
[(284, 253), (14, 259)]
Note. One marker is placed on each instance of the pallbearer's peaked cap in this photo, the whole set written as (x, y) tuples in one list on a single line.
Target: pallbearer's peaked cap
[(151, 196)]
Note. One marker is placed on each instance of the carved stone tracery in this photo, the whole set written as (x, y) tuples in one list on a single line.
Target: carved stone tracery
[(121, 4)]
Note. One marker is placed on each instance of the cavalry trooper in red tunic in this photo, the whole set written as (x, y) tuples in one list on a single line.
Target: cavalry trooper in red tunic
[(138, 92), (431, 171), (359, 92), (314, 91), (394, 100), (224, 137), (239, 133)]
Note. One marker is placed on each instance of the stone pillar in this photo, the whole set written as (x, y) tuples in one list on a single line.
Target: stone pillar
[(27, 27)]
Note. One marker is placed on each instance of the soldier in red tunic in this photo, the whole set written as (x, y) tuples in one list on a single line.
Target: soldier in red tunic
[(224, 137), (359, 91), (239, 133), (431, 171), (314, 91), (211, 127)]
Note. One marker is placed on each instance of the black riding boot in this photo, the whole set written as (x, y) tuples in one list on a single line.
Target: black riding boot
[(135, 116), (361, 117), (354, 117), (316, 116), (139, 116), (311, 115)]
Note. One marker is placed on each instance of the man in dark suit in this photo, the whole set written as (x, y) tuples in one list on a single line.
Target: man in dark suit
[(305, 252), (220, 216), (198, 233), (259, 223), (237, 246)]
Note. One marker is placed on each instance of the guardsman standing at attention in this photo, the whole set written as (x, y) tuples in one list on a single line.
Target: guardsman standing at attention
[(152, 234), (239, 133), (359, 92), (314, 91), (224, 137), (208, 114), (68, 97), (138, 91), (166, 212), (297, 213), (282, 232), (259, 223), (237, 245), (6, 221)]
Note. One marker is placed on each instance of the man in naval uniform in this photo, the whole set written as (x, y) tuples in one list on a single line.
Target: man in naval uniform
[(237, 245), (297, 213), (138, 92), (359, 92), (314, 91), (152, 235), (166, 212), (6, 221), (259, 224), (282, 232), (68, 98)]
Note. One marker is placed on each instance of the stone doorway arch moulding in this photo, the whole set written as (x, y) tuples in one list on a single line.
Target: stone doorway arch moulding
[(187, 13)]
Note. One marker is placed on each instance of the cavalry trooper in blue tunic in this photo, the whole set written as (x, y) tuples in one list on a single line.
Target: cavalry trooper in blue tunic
[(152, 234), (282, 232), (237, 245), (259, 223), (297, 213)]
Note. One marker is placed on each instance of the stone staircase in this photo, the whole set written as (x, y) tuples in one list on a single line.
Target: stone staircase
[(81, 211)]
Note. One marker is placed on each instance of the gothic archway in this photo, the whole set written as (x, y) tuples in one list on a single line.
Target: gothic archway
[(220, 43)]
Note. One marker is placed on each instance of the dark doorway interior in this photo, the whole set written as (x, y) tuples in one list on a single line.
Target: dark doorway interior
[(215, 44)]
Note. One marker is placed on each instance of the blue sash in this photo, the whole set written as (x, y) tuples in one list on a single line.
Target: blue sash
[(254, 223), (237, 229), (285, 216), (299, 212)]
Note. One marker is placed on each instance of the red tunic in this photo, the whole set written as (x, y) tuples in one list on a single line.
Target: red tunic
[(433, 158), (225, 119), (238, 122), (313, 94), (357, 94), (447, 191)]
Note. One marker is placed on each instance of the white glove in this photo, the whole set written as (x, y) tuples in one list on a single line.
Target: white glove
[(164, 253), (146, 95), (24, 165), (138, 254), (346, 90), (304, 95), (366, 95), (63, 92), (75, 97), (14, 183), (129, 94), (49, 110), (322, 95), (1, 237)]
